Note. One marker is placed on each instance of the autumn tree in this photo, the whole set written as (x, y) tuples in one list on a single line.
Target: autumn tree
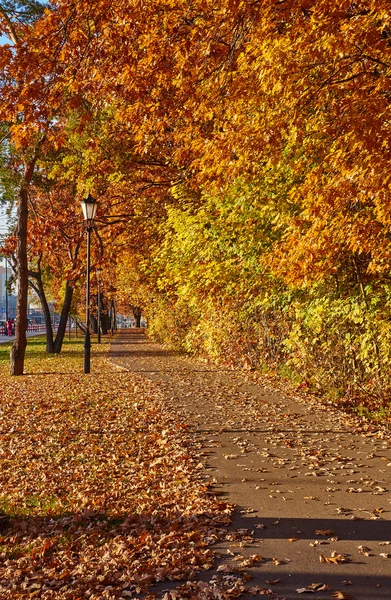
[(19, 73), (175, 113)]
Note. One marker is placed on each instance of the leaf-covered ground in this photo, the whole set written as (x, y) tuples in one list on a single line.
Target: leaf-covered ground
[(99, 488)]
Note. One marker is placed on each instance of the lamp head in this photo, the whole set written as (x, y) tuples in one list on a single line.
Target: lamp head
[(89, 206)]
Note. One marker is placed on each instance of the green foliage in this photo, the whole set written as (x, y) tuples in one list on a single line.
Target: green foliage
[(212, 266), (340, 346), (219, 296)]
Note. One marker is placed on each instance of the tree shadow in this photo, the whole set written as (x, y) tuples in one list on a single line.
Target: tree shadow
[(130, 545), (346, 529), (248, 536), (94, 550)]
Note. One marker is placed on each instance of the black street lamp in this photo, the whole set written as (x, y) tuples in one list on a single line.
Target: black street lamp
[(6, 288), (89, 206), (98, 272)]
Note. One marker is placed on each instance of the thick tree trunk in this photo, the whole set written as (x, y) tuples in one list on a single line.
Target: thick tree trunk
[(18, 348), (62, 326)]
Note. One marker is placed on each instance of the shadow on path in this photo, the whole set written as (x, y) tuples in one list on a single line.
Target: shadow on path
[(305, 482)]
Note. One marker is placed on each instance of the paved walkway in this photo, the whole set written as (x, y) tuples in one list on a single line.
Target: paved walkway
[(312, 488)]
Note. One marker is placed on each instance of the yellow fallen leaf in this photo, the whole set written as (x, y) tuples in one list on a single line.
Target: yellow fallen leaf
[(332, 560)]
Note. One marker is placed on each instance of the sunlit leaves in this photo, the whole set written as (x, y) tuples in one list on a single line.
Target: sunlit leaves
[(98, 485)]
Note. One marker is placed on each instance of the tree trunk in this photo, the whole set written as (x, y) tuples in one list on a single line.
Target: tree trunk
[(81, 325), (113, 317), (39, 289), (105, 323), (137, 313), (18, 348), (94, 324), (62, 326), (104, 315)]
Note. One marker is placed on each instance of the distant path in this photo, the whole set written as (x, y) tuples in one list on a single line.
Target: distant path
[(306, 482)]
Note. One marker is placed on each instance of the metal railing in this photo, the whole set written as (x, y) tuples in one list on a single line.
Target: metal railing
[(31, 328)]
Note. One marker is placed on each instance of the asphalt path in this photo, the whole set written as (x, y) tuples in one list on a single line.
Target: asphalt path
[(312, 486)]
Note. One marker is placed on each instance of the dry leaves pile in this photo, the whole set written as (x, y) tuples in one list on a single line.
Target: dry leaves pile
[(99, 489)]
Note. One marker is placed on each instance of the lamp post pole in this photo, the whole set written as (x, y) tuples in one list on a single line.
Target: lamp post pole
[(6, 289), (87, 337), (98, 271), (89, 210)]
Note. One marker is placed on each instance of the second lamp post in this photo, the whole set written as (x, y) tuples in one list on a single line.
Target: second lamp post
[(89, 206), (98, 272)]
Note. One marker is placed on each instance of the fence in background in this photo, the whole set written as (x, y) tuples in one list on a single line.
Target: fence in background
[(32, 327)]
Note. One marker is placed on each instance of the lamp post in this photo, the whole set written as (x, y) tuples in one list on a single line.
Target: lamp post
[(6, 288), (98, 272), (89, 206)]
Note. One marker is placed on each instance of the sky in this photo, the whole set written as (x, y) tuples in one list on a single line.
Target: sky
[(3, 221), (4, 39), (3, 226)]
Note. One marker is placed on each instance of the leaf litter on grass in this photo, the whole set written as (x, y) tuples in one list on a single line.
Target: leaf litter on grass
[(100, 495)]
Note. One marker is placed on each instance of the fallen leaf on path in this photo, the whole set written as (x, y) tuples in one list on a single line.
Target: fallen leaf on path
[(312, 588), (318, 543), (224, 569), (252, 560), (318, 587), (332, 560)]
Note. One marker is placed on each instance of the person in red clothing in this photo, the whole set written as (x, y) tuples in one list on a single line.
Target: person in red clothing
[(9, 327)]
